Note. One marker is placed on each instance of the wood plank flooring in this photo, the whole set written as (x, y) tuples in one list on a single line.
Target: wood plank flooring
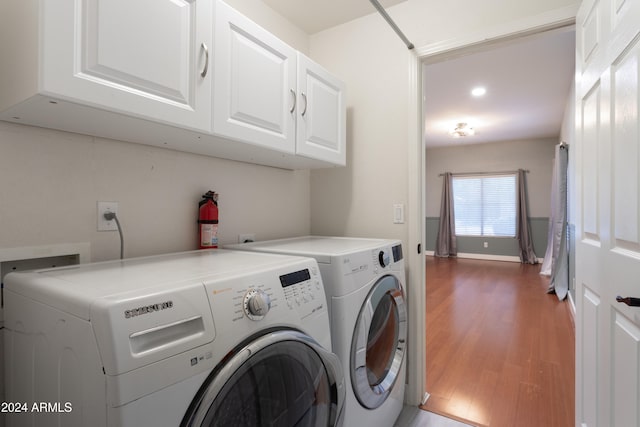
[(500, 350)]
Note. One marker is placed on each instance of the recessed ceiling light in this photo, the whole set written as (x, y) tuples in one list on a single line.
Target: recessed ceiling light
[(478, 91)]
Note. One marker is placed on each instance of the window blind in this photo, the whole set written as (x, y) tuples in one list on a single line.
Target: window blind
[(485, 205)]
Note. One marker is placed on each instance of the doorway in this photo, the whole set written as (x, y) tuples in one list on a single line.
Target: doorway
[(461, 48)]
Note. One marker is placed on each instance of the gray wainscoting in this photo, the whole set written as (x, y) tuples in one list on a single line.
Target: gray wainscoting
[(498, 246)]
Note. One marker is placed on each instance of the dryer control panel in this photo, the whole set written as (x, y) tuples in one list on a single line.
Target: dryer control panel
[(385, 256)]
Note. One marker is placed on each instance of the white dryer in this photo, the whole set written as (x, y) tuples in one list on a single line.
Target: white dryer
[(204, 338), (364, 284)]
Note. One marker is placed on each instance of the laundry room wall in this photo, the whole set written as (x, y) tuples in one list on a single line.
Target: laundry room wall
[(276, 24), (51, 180)]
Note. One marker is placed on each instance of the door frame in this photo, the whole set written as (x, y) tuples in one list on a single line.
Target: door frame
[(416, 392)]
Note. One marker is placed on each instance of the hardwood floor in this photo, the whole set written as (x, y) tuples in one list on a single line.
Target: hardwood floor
[(500, 350)]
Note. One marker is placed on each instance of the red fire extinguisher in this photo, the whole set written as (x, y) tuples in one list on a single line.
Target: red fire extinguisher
[(208, 221)]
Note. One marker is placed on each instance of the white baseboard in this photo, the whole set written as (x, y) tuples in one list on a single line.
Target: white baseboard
[(486, 257)]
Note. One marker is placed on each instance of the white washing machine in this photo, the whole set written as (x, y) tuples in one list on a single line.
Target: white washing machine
[(364, 284), (204, 338)]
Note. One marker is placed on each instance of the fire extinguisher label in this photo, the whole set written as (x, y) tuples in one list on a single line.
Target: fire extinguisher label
[(209, 235)]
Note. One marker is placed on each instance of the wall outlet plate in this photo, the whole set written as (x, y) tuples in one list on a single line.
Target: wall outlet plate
[(245, 238), (103, 224)]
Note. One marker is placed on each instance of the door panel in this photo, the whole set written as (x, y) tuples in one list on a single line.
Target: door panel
[(624, 375), (590, 341), (625, 151), (590, 141), (144, 58), (321, 119), (118, 52), (254, 83)]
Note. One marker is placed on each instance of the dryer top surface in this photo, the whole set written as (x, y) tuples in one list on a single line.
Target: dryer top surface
[(319, 247)]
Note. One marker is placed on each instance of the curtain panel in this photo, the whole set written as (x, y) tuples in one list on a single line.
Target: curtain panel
[(556, 259), (446, 244), (523, 232)]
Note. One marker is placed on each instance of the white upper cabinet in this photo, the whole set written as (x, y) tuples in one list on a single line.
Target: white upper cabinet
[(254, 83), (146, 58), (266, 93), (188, 75), (321, 132)]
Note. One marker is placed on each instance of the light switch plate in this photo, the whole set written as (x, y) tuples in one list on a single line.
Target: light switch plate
[(398, 213)]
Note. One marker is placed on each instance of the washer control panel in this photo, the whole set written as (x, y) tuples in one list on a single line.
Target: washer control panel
[(256, 304), (303, 290), (281, 294)]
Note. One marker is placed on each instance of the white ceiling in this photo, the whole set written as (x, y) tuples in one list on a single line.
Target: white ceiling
[(313, 16), (528, 84), (527, 80)]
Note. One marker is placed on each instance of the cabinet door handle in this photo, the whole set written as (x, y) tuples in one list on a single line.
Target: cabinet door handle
[(203, 73), (633, 302), (294, 98), (304, 96)]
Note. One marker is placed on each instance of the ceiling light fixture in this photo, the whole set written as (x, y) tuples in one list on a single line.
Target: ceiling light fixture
[(462, 130), (478, 91)]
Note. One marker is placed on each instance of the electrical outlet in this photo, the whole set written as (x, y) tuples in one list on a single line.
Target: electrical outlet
[(245, 238), (104, 224), (486, 244)]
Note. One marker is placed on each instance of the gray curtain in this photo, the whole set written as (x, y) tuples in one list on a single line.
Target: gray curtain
[(446, 241), (523, 234), (556, 258)]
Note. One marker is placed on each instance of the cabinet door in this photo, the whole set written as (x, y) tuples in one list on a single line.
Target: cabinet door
[(254, 83), (145, 58), (321, 132)]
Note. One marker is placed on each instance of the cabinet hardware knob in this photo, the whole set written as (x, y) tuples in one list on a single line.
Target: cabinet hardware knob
[(294, 97), (203, 73), (630, 301), (304, 96)]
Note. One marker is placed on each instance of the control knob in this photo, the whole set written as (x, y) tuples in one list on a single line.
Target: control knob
[(383, 258), (256, 304)]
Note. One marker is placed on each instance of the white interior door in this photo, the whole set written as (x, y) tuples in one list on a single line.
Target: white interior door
[(608, 222)]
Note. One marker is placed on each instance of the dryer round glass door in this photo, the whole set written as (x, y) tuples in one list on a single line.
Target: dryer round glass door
[(281, 379), (378, 344)]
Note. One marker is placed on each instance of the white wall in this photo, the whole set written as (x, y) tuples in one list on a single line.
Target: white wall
[(50, 182), (358, 200), (259, 12), (534, 155)]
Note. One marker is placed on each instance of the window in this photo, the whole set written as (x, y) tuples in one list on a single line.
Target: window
[(485, 205)]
